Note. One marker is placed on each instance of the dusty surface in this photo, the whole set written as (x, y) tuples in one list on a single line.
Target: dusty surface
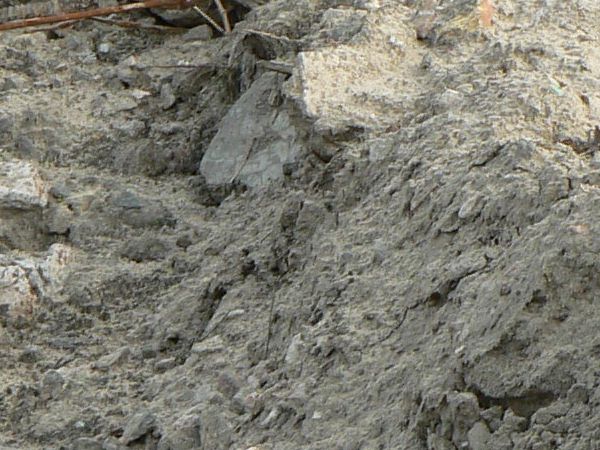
[(348, 225)]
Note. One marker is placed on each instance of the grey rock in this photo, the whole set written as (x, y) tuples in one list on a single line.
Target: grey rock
[(295, 354), (27, 148), (209, 194), (512, 422), (216, 429), (199, 33), (342, 24), (560, 425), (248, 401), (21, 186), (127, 75), (116, 358), (12, 82), (228, 384), (124, 103), (254, 140), (74, 42), (112, 444), (127, 200), (52, 384), (30, 355), (210, 345), (167, 97), (478, 436), (313, 215), (185, 434), (137, 426), (578, 393), (148, 351), (472, 206), (7, 122), (464, 413), (131, 128), (493, 417), (85, 443), (151, 215), (168, 128), (185, 240), (146, 249), (165, 364), (59, 219)]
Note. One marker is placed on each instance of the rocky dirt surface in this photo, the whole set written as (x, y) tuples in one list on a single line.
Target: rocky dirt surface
[(347, 225)]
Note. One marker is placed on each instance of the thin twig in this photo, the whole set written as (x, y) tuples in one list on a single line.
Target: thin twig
[(209, 19), (224, 17), (79, 15)]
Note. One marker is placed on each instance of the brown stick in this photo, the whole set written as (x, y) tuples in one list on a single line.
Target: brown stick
[(209, 19), (93, 13)]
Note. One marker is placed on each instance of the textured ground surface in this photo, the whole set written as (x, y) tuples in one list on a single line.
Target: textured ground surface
[(414, 265)]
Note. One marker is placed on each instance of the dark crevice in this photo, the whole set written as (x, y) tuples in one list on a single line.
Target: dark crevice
[(524, 405), (445, 288), (583, 147), (488, 156), (537, 302)]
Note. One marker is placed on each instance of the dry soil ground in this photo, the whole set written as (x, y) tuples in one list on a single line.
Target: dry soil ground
[(347, 225)]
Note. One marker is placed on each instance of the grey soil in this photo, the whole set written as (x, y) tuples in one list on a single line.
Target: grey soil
[(348, 225)]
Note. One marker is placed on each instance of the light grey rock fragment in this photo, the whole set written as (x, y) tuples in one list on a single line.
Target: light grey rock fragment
[(22, 282), (21, 186), (216, 430), (138, 425), (52, 385), (86, 443), (213, 345), (478, 436), (199, 33), (167, 97), (254, 140), (185, 435), (113, 359)]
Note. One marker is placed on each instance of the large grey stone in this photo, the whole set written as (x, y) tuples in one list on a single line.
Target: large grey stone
[(478, 436), (24, 281), (138, 425), (255, 139), (21, 186), (185, 435)]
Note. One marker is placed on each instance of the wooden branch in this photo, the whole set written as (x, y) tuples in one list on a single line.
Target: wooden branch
[(79, 15), (208, 19)]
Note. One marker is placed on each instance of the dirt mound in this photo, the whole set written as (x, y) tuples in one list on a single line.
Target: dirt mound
[(345, 225)]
